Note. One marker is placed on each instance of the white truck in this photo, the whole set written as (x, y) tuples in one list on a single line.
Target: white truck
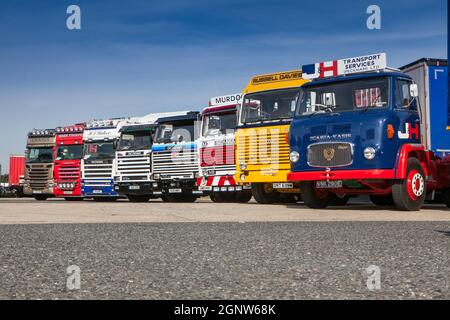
[(133, 174), (217, 164)]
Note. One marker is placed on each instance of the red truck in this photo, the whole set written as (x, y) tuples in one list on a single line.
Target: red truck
[(16, 172), (67, 165)]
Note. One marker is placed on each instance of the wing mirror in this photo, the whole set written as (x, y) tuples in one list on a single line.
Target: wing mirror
[(414, 90)]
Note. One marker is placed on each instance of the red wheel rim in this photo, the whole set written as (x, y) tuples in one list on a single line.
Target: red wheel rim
[(415, 184)]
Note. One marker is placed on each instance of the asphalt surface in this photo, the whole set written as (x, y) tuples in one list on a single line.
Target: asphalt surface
[(256, 260)]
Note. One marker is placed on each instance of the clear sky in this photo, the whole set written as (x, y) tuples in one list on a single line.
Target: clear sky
[(140, 56)]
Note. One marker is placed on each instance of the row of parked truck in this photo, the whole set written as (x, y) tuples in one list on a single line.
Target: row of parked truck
[(323, 133)]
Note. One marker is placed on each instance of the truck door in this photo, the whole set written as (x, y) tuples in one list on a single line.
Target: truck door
[(408, 126)]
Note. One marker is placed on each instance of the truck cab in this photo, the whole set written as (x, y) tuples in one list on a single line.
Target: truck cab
[(100, 139), (38, 175), (360, 132), (133, 177), (217, 165), (175, 158), (67, 163), (262, 149)]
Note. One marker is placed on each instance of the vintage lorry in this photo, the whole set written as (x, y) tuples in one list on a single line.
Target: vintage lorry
[(362, 128), (217, 164)]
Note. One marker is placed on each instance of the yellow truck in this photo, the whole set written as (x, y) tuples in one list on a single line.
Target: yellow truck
[(262, 146)]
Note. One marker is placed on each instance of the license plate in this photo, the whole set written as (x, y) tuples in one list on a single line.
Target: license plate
[(175, 191), (134, 187), (329, 184), (68, 192), (37, 191), (283, 185), (97, 191)]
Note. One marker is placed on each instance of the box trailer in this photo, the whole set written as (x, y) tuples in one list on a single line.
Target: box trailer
[(16, 173), (431, 75)]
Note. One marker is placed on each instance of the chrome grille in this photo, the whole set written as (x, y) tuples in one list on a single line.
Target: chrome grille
[(183, 166), (133, 168), (328, 155)]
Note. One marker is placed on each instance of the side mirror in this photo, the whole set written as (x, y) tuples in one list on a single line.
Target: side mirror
[(115, 144), (414, 90)]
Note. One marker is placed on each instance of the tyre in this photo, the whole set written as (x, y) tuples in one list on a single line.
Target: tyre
[(41, 198), (382, 200), (409, 194), (138, 198), (446, 198), (289, 198), (315, 198), (164, 199), (243, 197), (74, 199), (181, 198), (264, 194)]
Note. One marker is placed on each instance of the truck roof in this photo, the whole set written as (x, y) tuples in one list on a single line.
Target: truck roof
[(358, 76), (209, 110), (428, 62), (274, 81), (190, 115)]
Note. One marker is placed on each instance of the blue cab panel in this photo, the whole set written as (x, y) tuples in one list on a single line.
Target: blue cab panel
[(98, 191)]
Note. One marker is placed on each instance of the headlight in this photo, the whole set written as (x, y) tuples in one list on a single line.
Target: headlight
[(369, 153), (294, 156), (155, 185), (242, 177), (243, 166), (156, 176)]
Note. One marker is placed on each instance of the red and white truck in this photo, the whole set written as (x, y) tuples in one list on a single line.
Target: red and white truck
[(217, 165)]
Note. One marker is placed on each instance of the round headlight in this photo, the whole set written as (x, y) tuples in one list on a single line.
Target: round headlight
[(243, 166), (242, 177), (294, 156), (369, 153)]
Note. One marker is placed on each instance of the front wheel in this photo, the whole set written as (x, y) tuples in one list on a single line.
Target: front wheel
[(447, 198), (315, 198), (409, 194), (264, 194), (138, 198), (41, 198), (243, 196)]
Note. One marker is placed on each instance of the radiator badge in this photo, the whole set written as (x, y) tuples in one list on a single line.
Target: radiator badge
[(328, 153)]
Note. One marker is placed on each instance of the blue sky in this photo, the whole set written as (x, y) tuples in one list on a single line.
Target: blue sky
[(136, 57)]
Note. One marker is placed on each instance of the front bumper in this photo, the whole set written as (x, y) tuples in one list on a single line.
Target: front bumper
[(177, 187), (376, 174), (135, 188)]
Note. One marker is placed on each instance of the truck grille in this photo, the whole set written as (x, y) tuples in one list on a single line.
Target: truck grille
[(38, 176), (328, 155), (263, 149), (175, 164), (69, 173), (97, 171), (133, 168)]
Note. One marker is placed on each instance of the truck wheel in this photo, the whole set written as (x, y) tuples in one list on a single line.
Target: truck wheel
[(289, 198), (74, 199), (164, 199), (138, 198), (243, 197), (409, 194), (181, 198), (41, 198), (446, 198), (263, 194), (382, 200), (315, 198)]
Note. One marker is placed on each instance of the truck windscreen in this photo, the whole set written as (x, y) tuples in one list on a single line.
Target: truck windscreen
[(344, 96), (39, 155), (269, 106), (74, 152), (215, 124), (99, 151), (171, 133), (136, 140)]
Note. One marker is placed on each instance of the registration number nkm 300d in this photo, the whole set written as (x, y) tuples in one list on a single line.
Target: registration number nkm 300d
[(329, 184)]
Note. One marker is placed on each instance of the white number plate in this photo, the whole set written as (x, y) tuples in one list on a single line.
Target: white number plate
[(68, 192), (283, 185), (134, 187), (97, 191), (37, 191), (329, 184), (175, 191)]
